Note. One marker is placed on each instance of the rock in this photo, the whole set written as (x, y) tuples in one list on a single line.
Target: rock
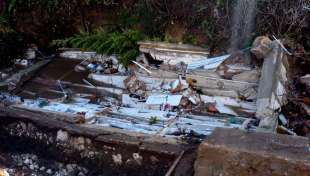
[(261, 47), (138, 158), (117, 159), (79, 143), (42, 168), (81, 174), (34, 157), (49, 171), (27, 161), (62, 136), (31, 167), (69, 168)]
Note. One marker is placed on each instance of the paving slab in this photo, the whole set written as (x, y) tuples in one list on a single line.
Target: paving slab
[(232, 152)]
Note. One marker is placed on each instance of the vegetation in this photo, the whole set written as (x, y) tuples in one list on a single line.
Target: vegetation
[(204, 22), (124, 44), (285, 19), (153, 120)]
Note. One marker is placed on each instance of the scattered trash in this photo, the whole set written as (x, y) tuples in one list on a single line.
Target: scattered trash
[(283, 119), (135, 86), (22, 63), (172, 96)]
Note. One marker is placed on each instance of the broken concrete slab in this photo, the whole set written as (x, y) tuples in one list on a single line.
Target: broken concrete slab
[(223, 93), (271, 92), (172, 100), (231, 152), (248, 76), (172, 54), (77, 54), (222, 84)]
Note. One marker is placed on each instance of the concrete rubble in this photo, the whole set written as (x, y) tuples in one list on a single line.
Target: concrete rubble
[(231, 152), (221, 88), (171, 92)]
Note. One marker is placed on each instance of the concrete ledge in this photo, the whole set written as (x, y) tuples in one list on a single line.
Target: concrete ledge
[(231, 152)]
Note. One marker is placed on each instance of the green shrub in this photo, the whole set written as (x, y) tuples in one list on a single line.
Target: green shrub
[(123, 44)]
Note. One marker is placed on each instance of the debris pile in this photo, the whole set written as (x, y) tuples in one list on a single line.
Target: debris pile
[(170, 90)]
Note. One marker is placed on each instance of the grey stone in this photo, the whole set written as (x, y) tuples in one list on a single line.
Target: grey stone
[(81, 174), (27, 161), (261, 47), (49, 171), (31, 167)]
